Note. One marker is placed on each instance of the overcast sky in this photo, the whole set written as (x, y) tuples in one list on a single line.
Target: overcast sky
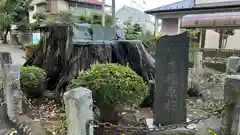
[(139, 4)]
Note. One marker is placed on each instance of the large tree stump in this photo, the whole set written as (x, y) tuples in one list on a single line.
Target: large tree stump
[(63, 58)]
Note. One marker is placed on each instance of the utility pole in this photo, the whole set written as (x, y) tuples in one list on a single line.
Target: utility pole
[(156, 26), (114, 13), (103, 13)]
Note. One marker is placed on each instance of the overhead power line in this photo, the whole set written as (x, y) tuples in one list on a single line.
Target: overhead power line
[(139, 5)]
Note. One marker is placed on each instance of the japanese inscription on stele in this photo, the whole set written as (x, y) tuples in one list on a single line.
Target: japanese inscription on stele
[(171, 76)]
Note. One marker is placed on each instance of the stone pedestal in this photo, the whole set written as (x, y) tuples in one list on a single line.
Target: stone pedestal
[(190, 130), (78, 104), (230, 118)]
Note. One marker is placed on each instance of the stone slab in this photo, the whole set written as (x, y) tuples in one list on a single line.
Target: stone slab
[(190, 130), (171, 77), (35, 126), (100, 33)]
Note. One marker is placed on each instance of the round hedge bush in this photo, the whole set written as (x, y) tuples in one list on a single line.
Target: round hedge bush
[(32, 80), (112, 84)]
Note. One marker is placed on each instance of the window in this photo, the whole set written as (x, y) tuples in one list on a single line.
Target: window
[(31, 8), (78, 4), (72, 4), (138, 19), (42, 8)]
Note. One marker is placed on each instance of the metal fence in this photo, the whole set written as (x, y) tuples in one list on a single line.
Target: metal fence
[(209, 52), (106, 128), (133, 128), (214, 55), (117, 131)]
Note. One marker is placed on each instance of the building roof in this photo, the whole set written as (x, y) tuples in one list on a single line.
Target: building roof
[(213, 20), (189, 5), (34, 2), (136, 12), (96, 2), (93, 2)]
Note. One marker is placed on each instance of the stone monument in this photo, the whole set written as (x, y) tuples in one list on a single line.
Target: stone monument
[(171, 77)]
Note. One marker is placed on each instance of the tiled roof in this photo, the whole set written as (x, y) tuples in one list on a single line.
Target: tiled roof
[(184, 4), (96, 2), (190, 5)]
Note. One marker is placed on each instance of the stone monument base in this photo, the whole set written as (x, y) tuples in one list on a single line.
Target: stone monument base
[(189, 130)]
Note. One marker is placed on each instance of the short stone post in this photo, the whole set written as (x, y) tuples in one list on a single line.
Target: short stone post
[(198, 61), (79, 111), (12, 89), (230, 115), (5, 58)]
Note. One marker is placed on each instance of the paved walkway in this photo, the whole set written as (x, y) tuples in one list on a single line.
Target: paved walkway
[(17, 54)]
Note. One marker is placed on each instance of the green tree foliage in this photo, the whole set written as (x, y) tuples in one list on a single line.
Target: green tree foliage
[(94, 18), (68, 17), (193, 33), (65, 16), (12, 11), (226, 34), (133, 32), (40, 18)]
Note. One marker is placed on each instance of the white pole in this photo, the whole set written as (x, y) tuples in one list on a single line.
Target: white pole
[(156, 26), (113, 13), (103, 13)]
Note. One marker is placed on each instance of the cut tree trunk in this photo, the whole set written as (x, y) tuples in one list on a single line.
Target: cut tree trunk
[(5, 35), (63, 59)]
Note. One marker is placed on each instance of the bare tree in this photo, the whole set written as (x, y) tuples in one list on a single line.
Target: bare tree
[(225, 33)]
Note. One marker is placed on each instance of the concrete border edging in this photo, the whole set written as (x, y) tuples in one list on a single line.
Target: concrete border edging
[(13, 97)]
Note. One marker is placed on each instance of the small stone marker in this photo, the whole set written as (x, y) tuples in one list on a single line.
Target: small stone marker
[(5, 58), (231, 114), (171, 77), (232, 64), (79, 111)]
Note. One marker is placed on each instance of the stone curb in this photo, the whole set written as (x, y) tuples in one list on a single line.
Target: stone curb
[(21, 125)]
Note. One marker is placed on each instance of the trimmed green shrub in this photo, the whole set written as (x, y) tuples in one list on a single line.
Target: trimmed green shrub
[(30, 48), (31, 45), (112, 85), (32, 80)]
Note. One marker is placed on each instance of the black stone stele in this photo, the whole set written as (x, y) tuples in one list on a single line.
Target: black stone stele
[(171, 79)]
